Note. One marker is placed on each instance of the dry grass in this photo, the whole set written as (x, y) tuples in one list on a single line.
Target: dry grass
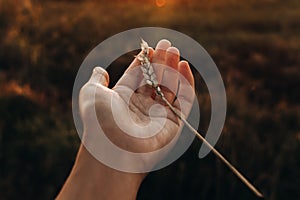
[(254, 43)]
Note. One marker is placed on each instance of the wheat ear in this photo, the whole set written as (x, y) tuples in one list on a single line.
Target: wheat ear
[(147, 68), (151, 80)]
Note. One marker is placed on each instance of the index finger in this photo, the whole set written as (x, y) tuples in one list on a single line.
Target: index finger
[(132, 77)]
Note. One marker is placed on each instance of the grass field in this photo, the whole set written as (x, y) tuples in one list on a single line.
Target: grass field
[(255, 44)]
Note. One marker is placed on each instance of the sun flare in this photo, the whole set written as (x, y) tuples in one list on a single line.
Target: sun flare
[(160, 3)]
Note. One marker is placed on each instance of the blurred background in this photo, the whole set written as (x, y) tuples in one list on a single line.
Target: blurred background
[(255, 44)]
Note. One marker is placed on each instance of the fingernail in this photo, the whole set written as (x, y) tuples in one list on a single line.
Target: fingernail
[(163, 44), (173, 50), (98, 70), (100, 75)]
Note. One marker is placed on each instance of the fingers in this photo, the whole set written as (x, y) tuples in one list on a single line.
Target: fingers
[(186, 92), (159, 57), (158, 61), (185, 70), (165, 63), (132, 77), (169, 71), (160, 51), (170, 74)]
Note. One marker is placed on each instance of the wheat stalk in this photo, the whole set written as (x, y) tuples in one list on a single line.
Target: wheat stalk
[(151, 80)]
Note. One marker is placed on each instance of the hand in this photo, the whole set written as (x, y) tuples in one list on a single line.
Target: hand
[(159, 126), (127, 94)]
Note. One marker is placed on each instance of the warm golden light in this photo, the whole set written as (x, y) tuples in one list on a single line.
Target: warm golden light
[(160, 3), (14, 88)]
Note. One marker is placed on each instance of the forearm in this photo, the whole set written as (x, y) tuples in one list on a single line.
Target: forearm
[(90, 179)]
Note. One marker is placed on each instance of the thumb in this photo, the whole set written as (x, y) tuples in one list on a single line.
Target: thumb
[(98, 81), (99, 75)]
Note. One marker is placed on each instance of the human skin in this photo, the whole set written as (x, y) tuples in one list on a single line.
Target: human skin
[(91, 179)]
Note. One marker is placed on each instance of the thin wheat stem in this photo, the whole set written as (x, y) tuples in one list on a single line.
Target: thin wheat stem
[(151, 80)]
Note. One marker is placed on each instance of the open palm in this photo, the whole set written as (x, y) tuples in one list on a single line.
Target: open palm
[(130, 114)]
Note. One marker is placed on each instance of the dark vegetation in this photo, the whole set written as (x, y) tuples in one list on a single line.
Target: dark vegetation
[(255, 44)]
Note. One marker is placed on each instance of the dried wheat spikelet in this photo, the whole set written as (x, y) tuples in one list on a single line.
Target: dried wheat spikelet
[(147, 68)]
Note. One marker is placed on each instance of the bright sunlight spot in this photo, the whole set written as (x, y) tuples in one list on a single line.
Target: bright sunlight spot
[(160, 3)]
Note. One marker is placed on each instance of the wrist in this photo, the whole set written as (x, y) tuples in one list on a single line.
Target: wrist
[(90, 179)]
